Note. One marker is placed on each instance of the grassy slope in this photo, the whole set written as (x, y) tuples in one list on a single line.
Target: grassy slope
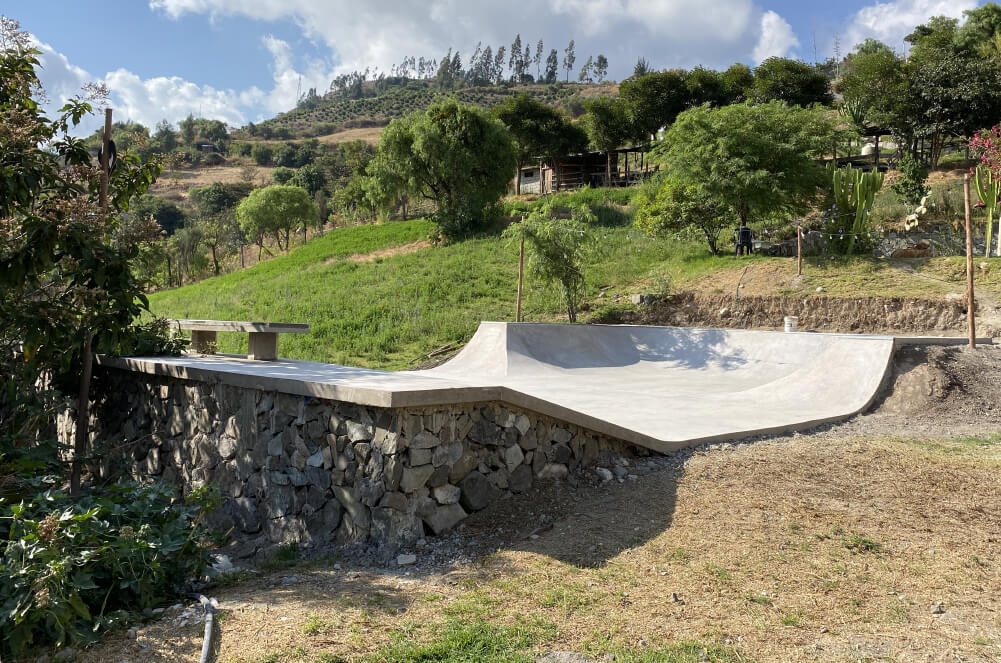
[(390, 311)]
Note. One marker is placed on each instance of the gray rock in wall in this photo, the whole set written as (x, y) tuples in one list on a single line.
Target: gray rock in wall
[(477, 492)]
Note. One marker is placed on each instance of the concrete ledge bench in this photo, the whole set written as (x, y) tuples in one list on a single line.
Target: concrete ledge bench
[(263, 345)]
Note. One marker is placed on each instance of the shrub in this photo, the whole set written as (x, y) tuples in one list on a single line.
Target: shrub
[(262, 154), (72, 567), (911, 187)]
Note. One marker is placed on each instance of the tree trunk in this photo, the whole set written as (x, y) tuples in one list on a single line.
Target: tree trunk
[(215, 260), (608, 168), (517, 186)]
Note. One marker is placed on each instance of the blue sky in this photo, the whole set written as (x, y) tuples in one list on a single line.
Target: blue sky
[(244, 60)]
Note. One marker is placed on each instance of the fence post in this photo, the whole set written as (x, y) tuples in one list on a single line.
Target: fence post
[(521, 271), (799, 250), (970, 300)]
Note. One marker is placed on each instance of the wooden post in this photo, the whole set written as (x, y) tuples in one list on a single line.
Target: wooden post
[(521, 272), (82, 436), (970, 299), (799, 250)]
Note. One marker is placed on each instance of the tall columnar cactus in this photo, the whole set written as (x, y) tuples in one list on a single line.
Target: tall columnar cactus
[(854, 192), (988, 191)]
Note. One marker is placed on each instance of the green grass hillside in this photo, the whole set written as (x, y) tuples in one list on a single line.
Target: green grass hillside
[(388, 311)]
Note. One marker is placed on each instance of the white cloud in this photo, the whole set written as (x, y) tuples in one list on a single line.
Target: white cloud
[(173, 98), (890, 22), (382, 32), (777, 38)]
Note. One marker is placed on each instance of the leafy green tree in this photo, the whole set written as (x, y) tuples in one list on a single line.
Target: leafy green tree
[(641, 67), (539, 130), (873, 85), (585, 71), (760, 159), (168, 215), (791, 81), (706, 86), (456, 156), (275, 211), (218, 233), (218, 196), (166, 139), (310, 178), (682, 207), (262, 154), (282, 175), (607, 126), (738, 82), (911, 187), (66, 281), (188, 129), (653, 100), (559, 250)]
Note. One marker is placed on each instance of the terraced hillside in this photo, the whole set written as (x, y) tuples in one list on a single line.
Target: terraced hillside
[(336, 114)]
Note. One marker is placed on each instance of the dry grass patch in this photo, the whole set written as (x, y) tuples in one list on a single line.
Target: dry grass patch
[(804, 548)]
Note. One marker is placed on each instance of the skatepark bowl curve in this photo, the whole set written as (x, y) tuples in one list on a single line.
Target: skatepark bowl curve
[(663, 388)]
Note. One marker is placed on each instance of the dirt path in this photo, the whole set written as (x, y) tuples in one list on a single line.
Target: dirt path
[(877, 539)]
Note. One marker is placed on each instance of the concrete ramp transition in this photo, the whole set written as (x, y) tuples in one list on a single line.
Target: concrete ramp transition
[(665, 387)]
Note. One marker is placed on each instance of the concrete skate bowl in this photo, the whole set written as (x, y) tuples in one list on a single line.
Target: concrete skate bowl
[(666, 388)]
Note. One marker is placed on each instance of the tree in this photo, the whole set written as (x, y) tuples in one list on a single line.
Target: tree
[(872, 85), (601, 68), (684, 207), (165, 138), (454, 155), (539, 50), (66, 283), (276, 211), (282, 175), (498, 70), (705, 86), (585, 71), (607, 126), (310, 178), (262, 154), (539, 130), (980, 31), (653, 100), (552, 66), (641, 67), (559, 250), (761, 159), (791, 81), (569, 58), (218, 196), (187, 126), (516, 64), (738, 82), (168, 215)]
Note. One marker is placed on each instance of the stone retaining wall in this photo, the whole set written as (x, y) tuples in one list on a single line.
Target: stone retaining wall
[(295, 469)]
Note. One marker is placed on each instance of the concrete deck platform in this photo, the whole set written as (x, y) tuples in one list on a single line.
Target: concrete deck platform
[(659, 387)]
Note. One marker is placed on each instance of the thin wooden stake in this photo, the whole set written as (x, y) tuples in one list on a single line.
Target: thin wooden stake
[(799, 250), (82, 436), (521, 272), (970, 299)]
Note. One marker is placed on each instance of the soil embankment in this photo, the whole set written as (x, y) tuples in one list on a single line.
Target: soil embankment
[(871, 315)]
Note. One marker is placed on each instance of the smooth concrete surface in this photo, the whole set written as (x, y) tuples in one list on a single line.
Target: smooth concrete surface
[(659, 387)]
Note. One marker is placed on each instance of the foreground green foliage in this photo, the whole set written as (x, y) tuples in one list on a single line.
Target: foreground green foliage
[(683, 208), (72, 567)]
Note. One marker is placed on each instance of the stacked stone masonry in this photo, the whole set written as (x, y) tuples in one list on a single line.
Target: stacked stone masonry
[(295, 469)]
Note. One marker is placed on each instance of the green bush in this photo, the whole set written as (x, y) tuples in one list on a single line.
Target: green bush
[(261, 154), (72, 567), (911, 186)]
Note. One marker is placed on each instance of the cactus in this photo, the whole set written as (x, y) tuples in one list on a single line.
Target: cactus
[(854, 191), (988, 191)]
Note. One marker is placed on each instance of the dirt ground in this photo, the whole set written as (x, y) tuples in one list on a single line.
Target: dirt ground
[(878, 539)]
